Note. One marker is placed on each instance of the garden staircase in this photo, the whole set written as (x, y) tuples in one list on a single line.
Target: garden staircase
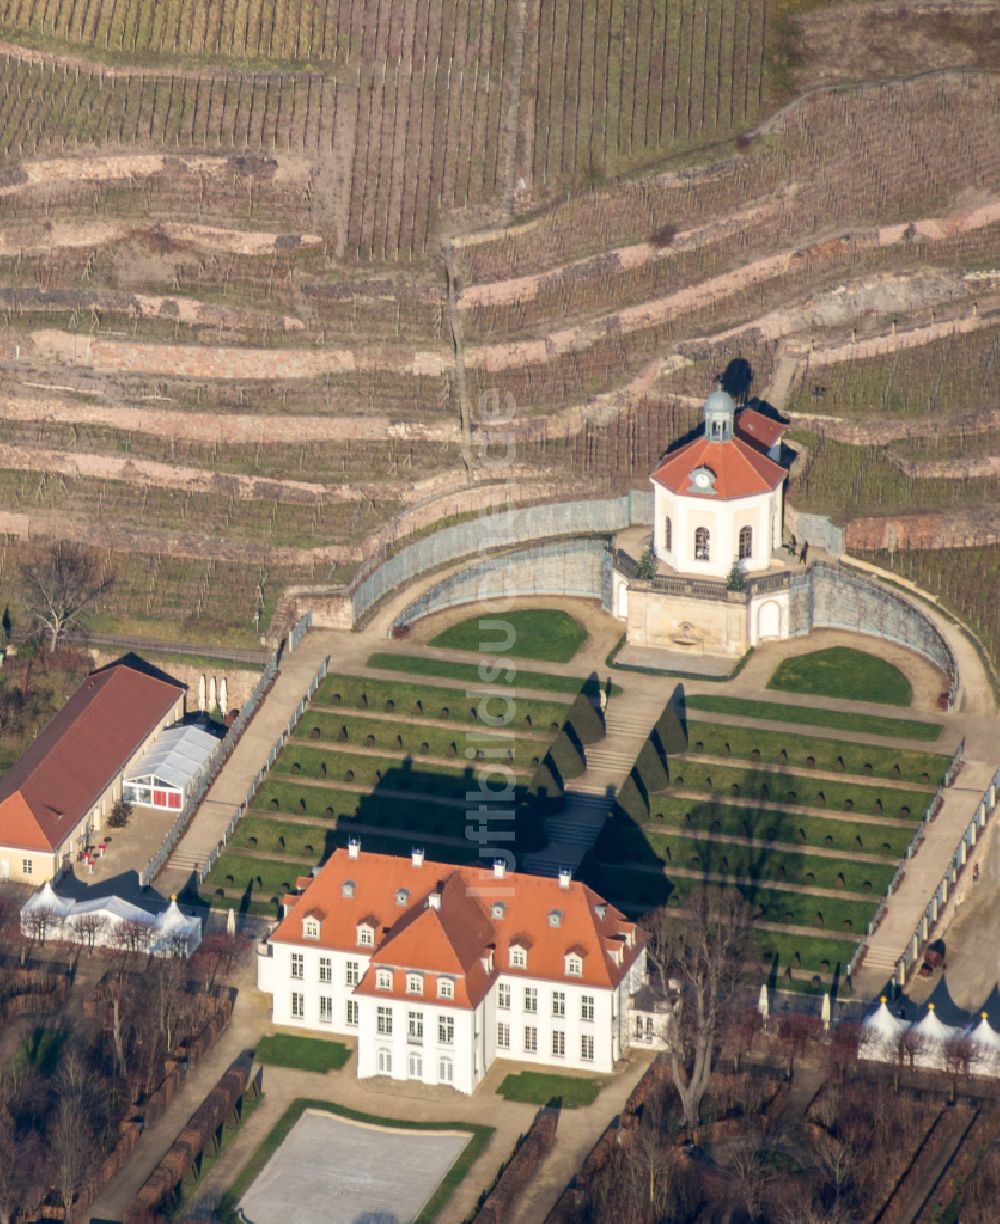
[(574, 831)]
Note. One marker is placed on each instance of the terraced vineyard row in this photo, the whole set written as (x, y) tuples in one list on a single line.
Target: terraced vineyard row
[(958, 373), (619, 81)]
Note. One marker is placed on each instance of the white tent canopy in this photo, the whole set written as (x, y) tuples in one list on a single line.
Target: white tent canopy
[(171, 765), (880, 1034), (98, 920)]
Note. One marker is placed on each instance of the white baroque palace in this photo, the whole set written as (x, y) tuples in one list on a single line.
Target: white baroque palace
[(438, 970)]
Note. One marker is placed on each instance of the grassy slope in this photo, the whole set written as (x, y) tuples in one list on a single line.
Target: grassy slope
[(843, 672), (536, 633)]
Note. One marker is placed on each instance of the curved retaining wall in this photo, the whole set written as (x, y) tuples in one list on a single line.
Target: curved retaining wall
[(831, 597), (502, 530), (578, 568)]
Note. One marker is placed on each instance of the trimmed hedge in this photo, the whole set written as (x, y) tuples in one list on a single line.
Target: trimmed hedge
[(586, 720)]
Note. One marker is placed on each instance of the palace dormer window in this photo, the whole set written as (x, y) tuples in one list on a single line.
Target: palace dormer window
[(414, 983), (518, 957), (347, 888), (383, 979), (497, 911), (574, 964), (310, 928), (446, 988), (366, 935), (555, 918), (402, 897)]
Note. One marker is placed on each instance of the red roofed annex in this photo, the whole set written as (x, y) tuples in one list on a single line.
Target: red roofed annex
[(62, 788), (441, 969)]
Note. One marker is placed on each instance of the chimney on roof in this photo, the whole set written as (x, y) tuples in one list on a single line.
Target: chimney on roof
[(488, 959), (499, 869), (353, 848), (417, 857), (434, 900), (565, 876)]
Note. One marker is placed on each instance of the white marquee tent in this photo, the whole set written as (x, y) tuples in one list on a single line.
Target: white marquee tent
[(98, 920)]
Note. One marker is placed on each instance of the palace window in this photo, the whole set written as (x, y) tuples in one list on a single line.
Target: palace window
[(531, 999), (352, 973), (503, 1036), (558, 1043), (746, 543), (503, 995), (702, 541), (325, 1009), (587, 1048), (446, 1030), (298, 1006), (352, 1011), (446, 988), (530, 1040), (383, 1021), (325, 969), (586, 1007), (310, 929), (414, 984), (298, 963), (558, 1003), (383, 979), (518, 957)]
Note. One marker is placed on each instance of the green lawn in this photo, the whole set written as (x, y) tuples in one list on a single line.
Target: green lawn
[(469, 673), (841, 671), (745, 782), (815, 752), (766, 865), (639, 890), (782, 825), (302, 1053), (539, 633), (408, 737), (839, 720), (479, 1137), (539, 1088), (391, 772), (412, 701), (264, 878)]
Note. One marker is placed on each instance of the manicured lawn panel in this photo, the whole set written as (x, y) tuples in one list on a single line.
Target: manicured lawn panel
[(842, 671), (411, 701), (469, 673), (813, 716), (538, 1088), (405, 737), (783, 826), (814, 752), (302, 1053), (539, 633), (264, 877), (284, 837), (638, 890), (759, 863), (814, 955), (899, 803), (386, 773), (479, 1137)]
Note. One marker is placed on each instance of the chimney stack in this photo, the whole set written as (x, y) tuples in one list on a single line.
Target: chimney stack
[(417, 857), (565, 876), (499, 869), (353, 848)]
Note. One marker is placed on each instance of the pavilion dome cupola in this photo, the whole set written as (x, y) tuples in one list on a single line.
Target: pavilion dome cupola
[(720, 412)]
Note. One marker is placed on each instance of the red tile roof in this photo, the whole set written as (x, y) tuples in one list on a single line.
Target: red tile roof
[(740, 470), (453, 938), (77, 755), (756, 427)]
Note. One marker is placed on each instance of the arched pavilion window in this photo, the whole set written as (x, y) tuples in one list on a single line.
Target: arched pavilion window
[(668, 534), (701, 544), (746, 543)]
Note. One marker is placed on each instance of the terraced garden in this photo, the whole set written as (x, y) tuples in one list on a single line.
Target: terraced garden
[(389, 761), (810, 827)]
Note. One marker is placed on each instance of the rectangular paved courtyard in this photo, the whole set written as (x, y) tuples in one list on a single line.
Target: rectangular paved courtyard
[(333, 1171)]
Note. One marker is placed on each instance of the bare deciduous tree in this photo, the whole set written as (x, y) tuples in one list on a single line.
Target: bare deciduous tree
[(750, 1173), (90, 929), (39, 923), (61, 588), (705, 950)]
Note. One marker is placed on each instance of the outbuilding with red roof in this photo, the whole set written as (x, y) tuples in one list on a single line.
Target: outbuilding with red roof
[(63, 788)]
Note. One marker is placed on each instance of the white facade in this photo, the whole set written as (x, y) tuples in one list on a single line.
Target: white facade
[(522, 1018), (699, 534)]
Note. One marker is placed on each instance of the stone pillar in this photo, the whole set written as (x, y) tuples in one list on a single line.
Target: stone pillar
[(965, 851), (212, 696), (915, 942), (201, 692), (924, 930), (224, 695), (973, 833)]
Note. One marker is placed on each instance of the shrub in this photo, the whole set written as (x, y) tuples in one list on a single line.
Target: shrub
[(585, 720), (651, 768), (566, 756), (671, 729)]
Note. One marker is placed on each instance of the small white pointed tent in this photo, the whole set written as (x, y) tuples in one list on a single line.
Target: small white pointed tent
[(985, 1044), (826, 1013), (880, 1034), (173, 933), (932, 1038), (763, 1003)]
